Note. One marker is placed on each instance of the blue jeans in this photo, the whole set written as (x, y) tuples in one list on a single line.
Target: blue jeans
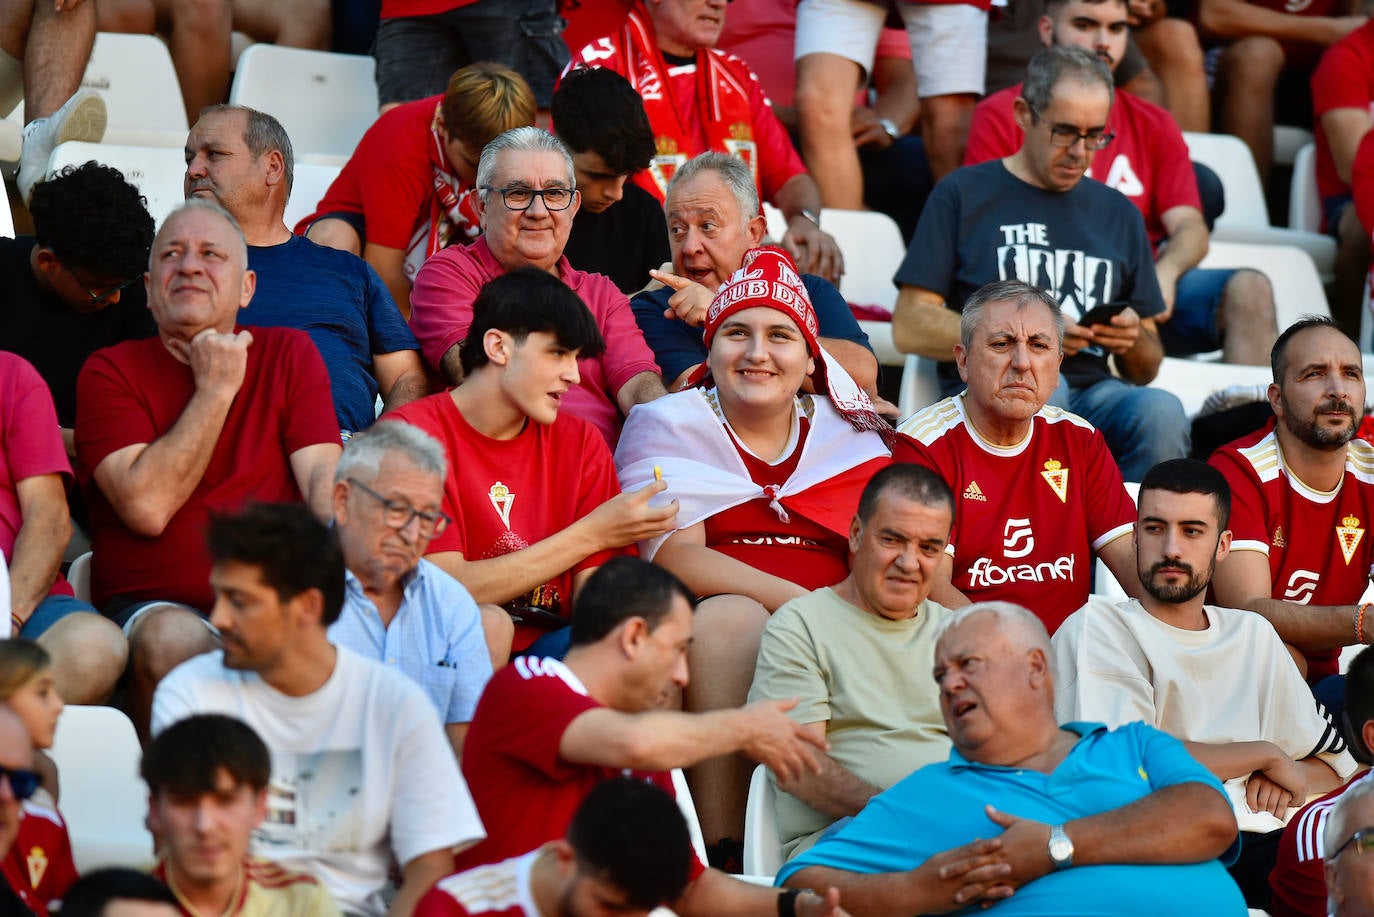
[(1143, 426), (1193, 326)]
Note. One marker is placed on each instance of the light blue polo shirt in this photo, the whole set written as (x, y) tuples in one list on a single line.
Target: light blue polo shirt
[(941, 806), (435, 639)]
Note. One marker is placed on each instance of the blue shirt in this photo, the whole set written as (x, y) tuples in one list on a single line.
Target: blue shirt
[(677, 346), (338, 299), (941, 806), (435, 638)]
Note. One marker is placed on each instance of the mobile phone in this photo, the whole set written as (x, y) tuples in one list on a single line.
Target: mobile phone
[(1102, 315)]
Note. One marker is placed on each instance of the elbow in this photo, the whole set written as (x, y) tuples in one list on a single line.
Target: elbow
[(1215, 828), (145, 521), (641, 752)]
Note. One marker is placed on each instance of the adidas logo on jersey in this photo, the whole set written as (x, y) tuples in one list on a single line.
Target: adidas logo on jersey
[(974, 492), (1279, 541)]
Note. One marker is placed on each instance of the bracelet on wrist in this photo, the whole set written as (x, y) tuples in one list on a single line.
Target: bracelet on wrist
[(787, 902), (1359, 623)]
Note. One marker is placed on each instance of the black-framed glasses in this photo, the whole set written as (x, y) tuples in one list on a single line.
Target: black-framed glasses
[(1362, 839), (101, 296), (1065, 137), (397, 513), (521, 198), (23, 783)]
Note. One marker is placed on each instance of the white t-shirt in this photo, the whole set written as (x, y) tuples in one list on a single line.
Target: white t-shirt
[(1233, 682), (359, 763)]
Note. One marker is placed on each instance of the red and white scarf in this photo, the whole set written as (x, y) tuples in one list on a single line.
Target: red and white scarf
[(452, 210)]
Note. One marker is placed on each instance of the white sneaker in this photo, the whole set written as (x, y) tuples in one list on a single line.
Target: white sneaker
[(82, 117)]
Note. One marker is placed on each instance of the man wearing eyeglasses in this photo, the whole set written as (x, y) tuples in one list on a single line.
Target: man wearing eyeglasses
[(398, 608), (1349, 867), (529, 198), (1031, 217), (1147, 160)]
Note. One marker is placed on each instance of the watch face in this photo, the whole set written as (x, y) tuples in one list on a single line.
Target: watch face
[(1061, 849)]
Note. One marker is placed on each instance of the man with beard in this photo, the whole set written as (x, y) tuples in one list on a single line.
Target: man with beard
[(1170, 660), (1300, 484)]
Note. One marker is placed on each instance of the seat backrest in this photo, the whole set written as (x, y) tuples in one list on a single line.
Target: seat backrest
[(920, 385), (689, 812), (308, 186), (1297, 286), (6, 219), (1104, 582), (873, 249), (155, 171), (134, 74), (1230, 158), (325, 101), (79, 576), (103, 799), (762, 848), (1304, 204)]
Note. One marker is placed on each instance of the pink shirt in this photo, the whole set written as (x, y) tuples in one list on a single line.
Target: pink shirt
[(441, 311)]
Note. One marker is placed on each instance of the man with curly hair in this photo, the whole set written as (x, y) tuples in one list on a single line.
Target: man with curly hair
[(76, 284)]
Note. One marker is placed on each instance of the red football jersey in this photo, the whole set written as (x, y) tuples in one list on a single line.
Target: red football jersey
[(1316, 542), (1027, 517), (39, 867), (525, 793)]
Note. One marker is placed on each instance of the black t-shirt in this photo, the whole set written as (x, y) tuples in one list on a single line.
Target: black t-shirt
[(54, 337), (1086, 246), (623, 241)]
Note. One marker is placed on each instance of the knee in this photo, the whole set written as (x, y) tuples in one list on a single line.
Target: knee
[(89, 653), (1255, 57), (335, 233), (824, 99), (499, 632), (164, 638), (130, 18), (1249, 297), (1177, 43), (196, 14)]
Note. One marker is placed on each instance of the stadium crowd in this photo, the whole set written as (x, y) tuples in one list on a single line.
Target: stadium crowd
[(428, 542)]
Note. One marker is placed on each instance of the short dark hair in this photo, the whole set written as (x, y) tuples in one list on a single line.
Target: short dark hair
[(528, 300), (93, 219), (632, 835), (1052, 7), (1278, 363), (89, 894), (185, 758), (1052, 66), (1359, 703), (909, 480), (1189, 476), (293, 550), (597, 109), (622, 588)]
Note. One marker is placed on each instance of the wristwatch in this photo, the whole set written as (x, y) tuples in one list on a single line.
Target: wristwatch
[(813, 216), (889, 128), (1061, 848)]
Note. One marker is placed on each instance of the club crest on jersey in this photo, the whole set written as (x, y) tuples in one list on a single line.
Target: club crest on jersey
[(37, 862), (1057, 476), (501, 499), (974, 492), (1279, 541), (1348, 535)]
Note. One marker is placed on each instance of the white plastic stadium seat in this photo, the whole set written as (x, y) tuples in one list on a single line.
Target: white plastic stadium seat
[(103, 799), (689, 812), (156, 172), (1304, 204), (1246, 218), (920, 385), (1297, 285), (6, 218), (762, 849), (1288, 141), (79, 576), (1105, 583), (310, 183), (142, 95), (1193, 380), (325, 101), (872, 246)]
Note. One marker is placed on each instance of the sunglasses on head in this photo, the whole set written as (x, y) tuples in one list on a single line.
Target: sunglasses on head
[(23, 782)]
